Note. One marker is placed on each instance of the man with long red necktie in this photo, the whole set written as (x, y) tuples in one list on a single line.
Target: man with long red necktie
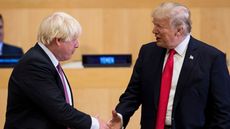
[(199, 91)]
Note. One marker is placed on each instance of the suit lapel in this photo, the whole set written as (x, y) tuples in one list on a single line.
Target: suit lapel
[(69, 89), (190, 60), (55, 72), (158, 73)]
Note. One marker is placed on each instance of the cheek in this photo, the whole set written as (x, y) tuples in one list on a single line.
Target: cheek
[(164, 36), (70, 50), (66, 51)]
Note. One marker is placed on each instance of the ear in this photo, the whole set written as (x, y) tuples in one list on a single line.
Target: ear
[(57, 41), (179, 31)]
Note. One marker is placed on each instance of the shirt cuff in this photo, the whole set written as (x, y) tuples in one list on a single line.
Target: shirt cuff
[(95, 123), (121, 120)]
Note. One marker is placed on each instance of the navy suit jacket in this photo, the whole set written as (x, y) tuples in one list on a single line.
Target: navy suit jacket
[(36, 98), (11, 50), (202, 98)]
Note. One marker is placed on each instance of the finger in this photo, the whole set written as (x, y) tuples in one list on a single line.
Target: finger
[(109, 124), (114, 113)]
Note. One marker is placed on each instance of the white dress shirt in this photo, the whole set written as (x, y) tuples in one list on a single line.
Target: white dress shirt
[(178, 62), (95, 123)]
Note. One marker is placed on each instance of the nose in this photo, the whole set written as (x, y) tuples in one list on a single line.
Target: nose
[(154, 31)]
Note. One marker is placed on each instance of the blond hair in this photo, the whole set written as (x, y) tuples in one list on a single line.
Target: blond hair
[(58, 25)]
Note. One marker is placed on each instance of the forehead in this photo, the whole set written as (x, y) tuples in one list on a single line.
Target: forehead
[(161, 21)]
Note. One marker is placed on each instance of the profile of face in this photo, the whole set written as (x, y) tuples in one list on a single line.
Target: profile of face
[(1, 30), (66, 49), (166, 35)]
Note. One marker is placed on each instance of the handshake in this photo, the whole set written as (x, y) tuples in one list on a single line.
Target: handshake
[(114, 123)]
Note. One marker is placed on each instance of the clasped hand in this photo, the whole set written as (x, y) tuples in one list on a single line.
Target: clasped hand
[(114, 123)]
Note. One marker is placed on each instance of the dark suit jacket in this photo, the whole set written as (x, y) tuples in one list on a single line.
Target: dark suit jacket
[(11, 50), (202, 98), (36, 98)]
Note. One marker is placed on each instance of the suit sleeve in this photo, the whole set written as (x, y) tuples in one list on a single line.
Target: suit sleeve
[(220, 94), (130, 100), (38, 82)]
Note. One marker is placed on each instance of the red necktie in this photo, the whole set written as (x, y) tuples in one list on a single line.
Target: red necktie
[(61, 73), (164, 90)]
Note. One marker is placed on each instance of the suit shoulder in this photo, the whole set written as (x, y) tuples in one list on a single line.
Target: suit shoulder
[(149, 45), (11, 46), (209, 49), (34, 55), (150, 49), (35, 59)]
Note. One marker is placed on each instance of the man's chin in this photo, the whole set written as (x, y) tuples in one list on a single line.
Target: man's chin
[(65, 58), (160, 44)]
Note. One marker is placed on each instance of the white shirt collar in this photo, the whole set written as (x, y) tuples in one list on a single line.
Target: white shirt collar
[(50, 54), (182, 47)]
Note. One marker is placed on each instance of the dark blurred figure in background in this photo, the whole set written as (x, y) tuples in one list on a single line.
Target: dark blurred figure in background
[(6, 49)]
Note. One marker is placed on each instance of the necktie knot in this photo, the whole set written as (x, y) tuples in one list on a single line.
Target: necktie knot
[(59, 68), (172, 51)]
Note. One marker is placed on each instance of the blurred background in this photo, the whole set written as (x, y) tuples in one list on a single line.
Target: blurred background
[(109, 27)]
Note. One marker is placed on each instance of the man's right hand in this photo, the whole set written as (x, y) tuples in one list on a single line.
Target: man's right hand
[(102, 124), (115, 122)]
